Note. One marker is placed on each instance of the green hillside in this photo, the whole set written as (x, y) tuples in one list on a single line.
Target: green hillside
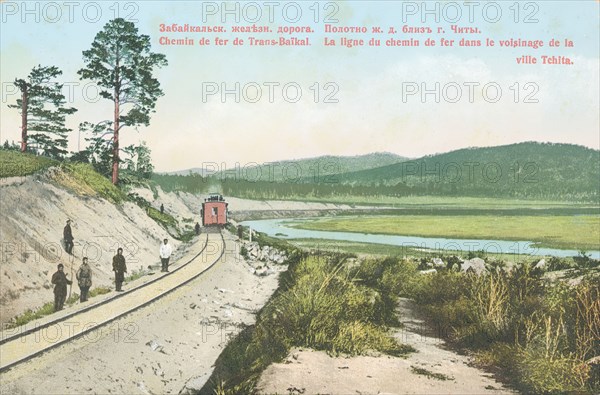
[(318, 170), (541, 171), (17, 164), (524, 170)]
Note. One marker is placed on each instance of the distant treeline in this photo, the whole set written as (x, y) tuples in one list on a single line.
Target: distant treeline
[(282, 190), (193, 183), (519, 171), (525, 170)]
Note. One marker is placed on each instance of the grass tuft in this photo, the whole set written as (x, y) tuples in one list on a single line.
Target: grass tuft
[(428, 373), (322, 304), (18, 164)]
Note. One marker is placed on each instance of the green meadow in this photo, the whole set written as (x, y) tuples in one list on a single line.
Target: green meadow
[(580, 232)]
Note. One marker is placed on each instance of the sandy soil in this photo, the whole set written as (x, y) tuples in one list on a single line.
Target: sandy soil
[(312, 372), (33, 212), (157, 349), (171, 345)]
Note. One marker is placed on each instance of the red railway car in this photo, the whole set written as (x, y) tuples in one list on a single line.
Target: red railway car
[(214, 210)]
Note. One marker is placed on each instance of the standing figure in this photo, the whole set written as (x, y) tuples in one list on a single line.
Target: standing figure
[(60, 281), (84, 279), (240, 232), (197, 228), (68, 237), (165, 254), (162, 208), (119, 268)]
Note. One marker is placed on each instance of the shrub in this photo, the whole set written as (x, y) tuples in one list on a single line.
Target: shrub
[(320, 304), (99, 291), (540, 374), (32, 314), (244, 252), (19, 164), (82, 179)]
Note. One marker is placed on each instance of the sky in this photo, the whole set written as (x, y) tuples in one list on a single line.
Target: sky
[(325, 100)]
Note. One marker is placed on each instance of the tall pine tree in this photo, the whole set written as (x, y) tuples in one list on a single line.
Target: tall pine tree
[(121, 64), (43, 112)]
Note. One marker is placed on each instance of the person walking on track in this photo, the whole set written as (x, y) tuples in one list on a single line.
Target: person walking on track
[(60, 281), (165, 255), (120, 268), (84, 279)]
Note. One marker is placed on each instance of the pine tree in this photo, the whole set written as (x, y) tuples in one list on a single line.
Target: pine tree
[(43, 112), (121, 64), (139, 160)]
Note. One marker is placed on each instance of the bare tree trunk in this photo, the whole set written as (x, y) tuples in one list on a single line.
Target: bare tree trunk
[(115, 164), (24, 119)]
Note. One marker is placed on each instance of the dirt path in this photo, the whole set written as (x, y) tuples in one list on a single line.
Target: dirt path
[(157, 349), (433, 369)]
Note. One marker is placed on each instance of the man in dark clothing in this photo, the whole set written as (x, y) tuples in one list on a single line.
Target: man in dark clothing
[(197, 228), (60, 281), (119, 268), (162, 209), (68, 237), (84, 279)]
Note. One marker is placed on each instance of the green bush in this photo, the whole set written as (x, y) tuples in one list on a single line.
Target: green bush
[(320, 304), (82, 178), (32, 314), (48, 308), (540, 334), (322, 299), (19, 164), (540, 374), (356, 337), (99, 291)]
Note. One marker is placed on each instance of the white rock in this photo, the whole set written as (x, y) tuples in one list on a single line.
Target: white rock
[(541, 264), (437, 262), (477, 265)]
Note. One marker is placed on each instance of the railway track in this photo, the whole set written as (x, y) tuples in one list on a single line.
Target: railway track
[(19, 345)]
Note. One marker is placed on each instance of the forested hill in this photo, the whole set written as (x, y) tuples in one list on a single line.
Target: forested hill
[(310, 169), (525, 170), (563, 172)]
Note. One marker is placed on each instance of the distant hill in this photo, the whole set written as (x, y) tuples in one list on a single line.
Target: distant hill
[(530, 170), (186, 172), (310, 169), (541, 170)]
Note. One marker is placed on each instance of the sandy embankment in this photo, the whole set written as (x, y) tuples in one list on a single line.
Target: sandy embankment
[(165, 347), (33, 212), (314, 372)]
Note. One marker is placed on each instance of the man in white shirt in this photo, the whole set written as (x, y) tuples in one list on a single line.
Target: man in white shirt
[(165, 254)]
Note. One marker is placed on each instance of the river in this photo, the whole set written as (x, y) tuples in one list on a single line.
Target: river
[(280, 228)]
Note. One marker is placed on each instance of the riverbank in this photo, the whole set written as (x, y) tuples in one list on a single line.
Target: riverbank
[(559, 232), (294, 229)]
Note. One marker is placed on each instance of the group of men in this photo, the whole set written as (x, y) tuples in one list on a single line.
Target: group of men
[(84, 273), (60, 281)]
